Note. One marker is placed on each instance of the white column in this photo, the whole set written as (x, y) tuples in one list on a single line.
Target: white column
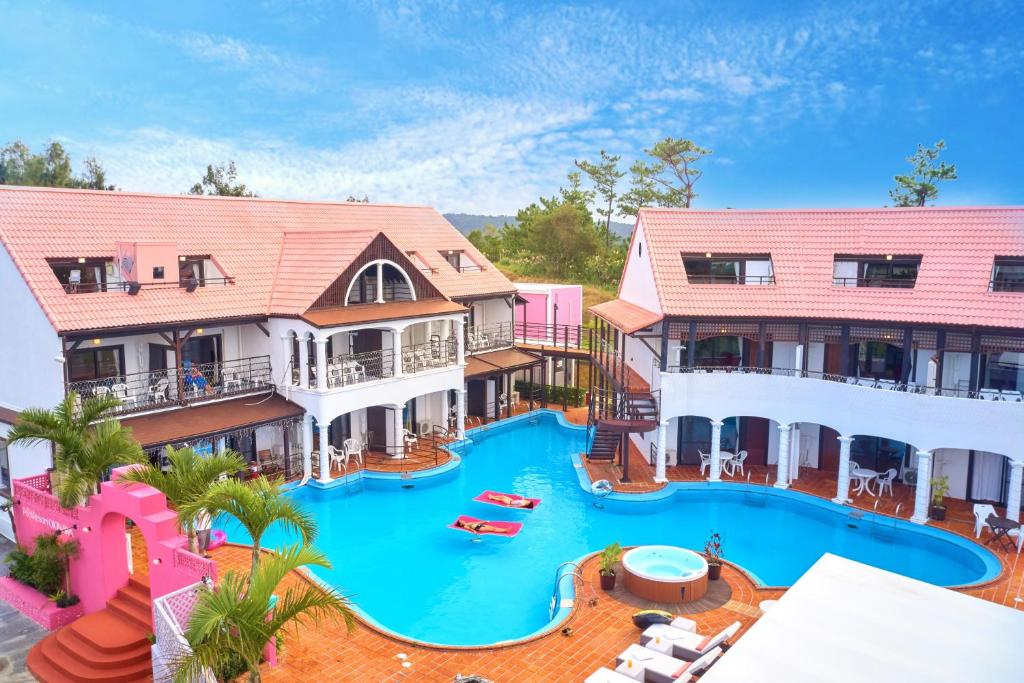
[(460, 342), (799, 360), (325, 455), (307, 446), (923, 492), (794, 453), (460, 415), (321, 364), (222, 444), (380, 283), (782, 479), (716, 451), (446, 410), (1013, 495), (286, 342), (399, 433), (659, 467), (303, 363), (843, 476), (396, 343)]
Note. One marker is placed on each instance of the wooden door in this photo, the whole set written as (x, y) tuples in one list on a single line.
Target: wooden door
[(834, 359), (377, 423), (476, 397), (754, 439), (828, 450)]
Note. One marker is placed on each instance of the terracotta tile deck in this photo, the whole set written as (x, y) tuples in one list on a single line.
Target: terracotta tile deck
[(599, 632)]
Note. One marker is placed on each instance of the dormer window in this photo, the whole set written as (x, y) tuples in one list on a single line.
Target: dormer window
[(460, 261), (887, 270), (1007, 274), (83, 275), (729, 269)]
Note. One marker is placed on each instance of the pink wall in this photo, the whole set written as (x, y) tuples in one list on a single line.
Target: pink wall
[(101, 567), (570, 305), (536, 308)]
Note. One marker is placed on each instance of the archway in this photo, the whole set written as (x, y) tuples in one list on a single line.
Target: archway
[(380, 280)]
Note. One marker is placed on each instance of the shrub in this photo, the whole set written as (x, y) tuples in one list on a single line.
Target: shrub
[(573, 395), (46, 568), (19, 566)]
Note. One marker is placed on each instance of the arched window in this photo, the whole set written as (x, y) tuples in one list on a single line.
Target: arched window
[(380, 280)]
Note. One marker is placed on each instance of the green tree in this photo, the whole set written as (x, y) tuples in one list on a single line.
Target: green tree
[(235, 622), (561, 235), (86, 445), (643, 189), (575, 194), (188, 480), (223, 181), (605, 175), (678, 157), (50, 168), (921, 187), (256, 504)]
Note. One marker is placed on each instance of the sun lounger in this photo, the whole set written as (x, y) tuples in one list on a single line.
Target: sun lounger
[(507, 529), (524, 503), (664, 632), (659, 668), (692, 646), (604, 675)]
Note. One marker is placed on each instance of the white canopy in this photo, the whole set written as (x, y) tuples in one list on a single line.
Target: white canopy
[(844, 621)]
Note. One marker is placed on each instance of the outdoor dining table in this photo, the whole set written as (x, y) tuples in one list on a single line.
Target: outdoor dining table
[(864, 478), (1001, 528)]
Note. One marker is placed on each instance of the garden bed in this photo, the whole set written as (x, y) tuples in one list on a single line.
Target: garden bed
[(36, 606)]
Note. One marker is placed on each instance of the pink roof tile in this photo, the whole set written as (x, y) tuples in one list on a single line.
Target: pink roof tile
[(957, 246), (277, 251), (626, 316)]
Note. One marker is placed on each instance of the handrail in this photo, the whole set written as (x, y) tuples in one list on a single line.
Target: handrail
[(866, 382), (731, 279), (880, 282), (577, 572)]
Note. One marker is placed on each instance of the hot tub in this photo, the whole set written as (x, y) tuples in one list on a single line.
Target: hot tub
[(665, 573)]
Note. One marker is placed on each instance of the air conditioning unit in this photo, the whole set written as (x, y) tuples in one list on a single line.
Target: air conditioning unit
[(910, 477), (424, 427)]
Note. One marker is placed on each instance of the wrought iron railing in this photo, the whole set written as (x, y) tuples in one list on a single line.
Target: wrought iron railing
[(124, 286), (189, 384), (482, 338), (355, 368), (437, 353), (866, 382)]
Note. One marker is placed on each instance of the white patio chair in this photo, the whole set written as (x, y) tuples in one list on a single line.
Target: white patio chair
[(991, 394), (736, 465), (353, 449), (231, 378), (885, 480), (120, 390), (705, 461), (100, 390), (338, 458), (158, 392), (409, 439), (981, 513)]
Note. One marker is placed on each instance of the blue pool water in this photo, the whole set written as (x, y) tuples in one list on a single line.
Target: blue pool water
[(395, 558)]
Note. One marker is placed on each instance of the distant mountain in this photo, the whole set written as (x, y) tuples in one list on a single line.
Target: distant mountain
[(467, 222)]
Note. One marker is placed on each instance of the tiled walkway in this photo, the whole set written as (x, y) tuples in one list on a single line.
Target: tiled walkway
[(599, 632)]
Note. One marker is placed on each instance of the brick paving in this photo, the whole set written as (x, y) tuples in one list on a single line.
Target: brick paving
[(599, 632)]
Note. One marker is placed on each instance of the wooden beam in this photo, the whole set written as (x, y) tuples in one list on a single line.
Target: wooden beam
[(263, 329), (163, 335)]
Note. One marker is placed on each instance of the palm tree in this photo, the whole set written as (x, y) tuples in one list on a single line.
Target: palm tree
[(230, 626), (188, 480), (86, 445), (256, 504)]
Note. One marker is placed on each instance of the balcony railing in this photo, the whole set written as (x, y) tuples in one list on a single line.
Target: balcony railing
[(1006, 285), (439, 353), (867, 382), (488, 337), (891, 283), (123, 286), (563, 336), (356, 368), (192, 383), (731, 279)]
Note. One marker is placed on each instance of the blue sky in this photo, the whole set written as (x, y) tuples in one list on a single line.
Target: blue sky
[(480, 107)]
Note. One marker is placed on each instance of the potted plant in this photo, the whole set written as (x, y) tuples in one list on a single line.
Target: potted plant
[(940, 487), (607, 559), (713, 555)]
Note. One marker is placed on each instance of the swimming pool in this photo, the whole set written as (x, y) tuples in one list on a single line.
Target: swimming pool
[(407, 572)]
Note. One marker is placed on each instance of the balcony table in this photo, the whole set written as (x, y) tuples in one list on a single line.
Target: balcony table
[(1001, 528), (863, 477)]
